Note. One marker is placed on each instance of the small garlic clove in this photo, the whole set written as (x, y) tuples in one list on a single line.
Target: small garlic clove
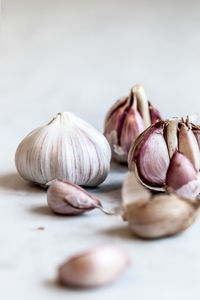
[(132, 127), (182, 177), (164, 215), (150, 156), (115, 117), (156, 216), (143, 105), (171, 136), (154, 113), (97, 267), (187, 144), (66, 198)]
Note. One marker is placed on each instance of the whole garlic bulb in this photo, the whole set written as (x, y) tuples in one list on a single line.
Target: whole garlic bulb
[(167, 155), (66, 148), (155, 216), (126, 119)]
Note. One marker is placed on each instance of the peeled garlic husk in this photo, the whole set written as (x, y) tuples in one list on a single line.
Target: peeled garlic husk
[(153, 150), (155, 216), (94, 268), (66, 198), (67, 148), (126, 119)]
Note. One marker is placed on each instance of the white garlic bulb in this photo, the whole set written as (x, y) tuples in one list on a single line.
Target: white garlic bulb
[(66, 148)]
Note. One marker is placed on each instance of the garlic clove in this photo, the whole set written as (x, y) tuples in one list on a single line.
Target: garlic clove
[(182, 177), (164, 215), (154, 113), (151, 157), (132, 127), (188, 145), (66, 148), (157, 216), (143, 105), (66, 198), (171, 136), (98, 266)]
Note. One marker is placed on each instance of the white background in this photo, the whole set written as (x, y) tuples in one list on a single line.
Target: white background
[(80, 56)]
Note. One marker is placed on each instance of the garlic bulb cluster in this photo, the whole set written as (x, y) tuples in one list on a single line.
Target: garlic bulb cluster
[(94, 268), (167, 156), (155, 216), (65, 198), (66, 148), (126, 120)]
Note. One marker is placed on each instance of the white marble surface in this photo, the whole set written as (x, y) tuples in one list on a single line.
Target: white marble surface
[(80, 56)]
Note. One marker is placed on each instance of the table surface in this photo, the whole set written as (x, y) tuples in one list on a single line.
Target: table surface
[(80, 56)]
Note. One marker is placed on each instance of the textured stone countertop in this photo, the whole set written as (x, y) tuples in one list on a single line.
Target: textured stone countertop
[(80, 56)]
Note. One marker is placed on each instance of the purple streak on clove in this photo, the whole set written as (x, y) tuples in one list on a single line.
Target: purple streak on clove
[(151, 156), (154, 113)]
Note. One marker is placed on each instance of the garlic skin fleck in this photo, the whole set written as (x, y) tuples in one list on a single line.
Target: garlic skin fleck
[(66, 198), (67, 148), (94, 268), (157, 216), (126, 120), (150, 156)]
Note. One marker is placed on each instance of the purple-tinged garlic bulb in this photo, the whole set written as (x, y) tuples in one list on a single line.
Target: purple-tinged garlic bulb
[(154, 216), (67, 148), (127, 119), (94, 268), (65, 198), (163, 149)]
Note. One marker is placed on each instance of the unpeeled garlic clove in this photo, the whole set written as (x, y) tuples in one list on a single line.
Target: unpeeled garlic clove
[(66, 148), (126, 119), (133, 125), (98, 266), (150, 156), (66, 198), (156, 216), (182, 177), (154, 113), (172, 139), (187, 144)]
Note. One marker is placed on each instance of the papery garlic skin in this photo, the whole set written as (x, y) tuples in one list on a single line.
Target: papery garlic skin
[(67, 148), (126, 119), (152, 152), (97, 267), (155, 216), (65, 198)]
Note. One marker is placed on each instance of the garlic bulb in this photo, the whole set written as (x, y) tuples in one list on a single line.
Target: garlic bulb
[(67, 148), (98, 266), (167, 148), (155, 216), (126, 119), (69, 199)]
